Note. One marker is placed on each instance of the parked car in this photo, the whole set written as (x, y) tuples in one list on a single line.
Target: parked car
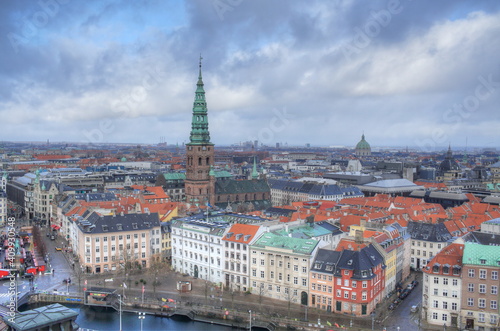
[(404, 294), (414, 283), (414, 308), (58, 248), (52, 237)]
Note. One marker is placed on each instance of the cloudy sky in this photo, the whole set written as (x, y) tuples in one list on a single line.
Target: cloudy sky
[(416, 73)]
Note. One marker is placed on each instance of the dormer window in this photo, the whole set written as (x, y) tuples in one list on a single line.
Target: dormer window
[(134, 226), (482, 261), (119, 227), (435, 268)]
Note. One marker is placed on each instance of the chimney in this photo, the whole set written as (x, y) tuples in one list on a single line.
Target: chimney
[(358, 236), (121, 213)]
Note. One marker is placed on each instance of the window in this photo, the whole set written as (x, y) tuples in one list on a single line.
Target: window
[(482, 274), (493, 319), (493, 304), (494, 275), (494, 289), (455, 282), (339, 293), (435, 304), (454, 294), (472, 273), (470, 287), (481, 303), (346, 295), (364, 296), (434, 316), (454, 306), (313, 286), (353, 295), (445, 305), (470, 302), (365, 284), (444, 317), (354, 284), (445, 293), (346, 282), (436, 291), (481, 318), (445, 281), (262, 274), (482, 288), (436, 280)]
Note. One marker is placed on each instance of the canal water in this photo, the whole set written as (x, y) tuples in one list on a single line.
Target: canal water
[(109, 320)]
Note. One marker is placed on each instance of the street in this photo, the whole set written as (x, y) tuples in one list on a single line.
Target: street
[(402, 317)]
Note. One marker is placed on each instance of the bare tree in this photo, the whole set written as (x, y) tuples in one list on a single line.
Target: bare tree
[(156, 267), (128, 262), (261, 291), (290, 297)]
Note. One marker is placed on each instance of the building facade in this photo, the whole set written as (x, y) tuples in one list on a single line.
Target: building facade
[(108, 243), (442, 287), (480, 283)]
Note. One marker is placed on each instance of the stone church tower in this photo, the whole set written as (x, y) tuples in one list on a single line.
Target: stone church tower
[(200, 181)]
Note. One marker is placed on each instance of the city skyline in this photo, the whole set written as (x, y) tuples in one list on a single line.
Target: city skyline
[(400, 72)]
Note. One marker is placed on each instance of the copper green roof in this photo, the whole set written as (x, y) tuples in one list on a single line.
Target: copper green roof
[(363, 144), (481, 255), (199, 125), (304, 231), (296, 245), (182, 175), (41, 318), (174, 176)]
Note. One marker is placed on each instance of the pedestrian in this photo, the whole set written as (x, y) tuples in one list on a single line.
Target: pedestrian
[(53, 272)]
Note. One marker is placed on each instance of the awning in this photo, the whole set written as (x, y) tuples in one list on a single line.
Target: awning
[(55, 227)]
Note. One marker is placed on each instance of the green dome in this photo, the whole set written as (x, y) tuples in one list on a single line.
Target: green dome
[(363, 144), (124, 159)]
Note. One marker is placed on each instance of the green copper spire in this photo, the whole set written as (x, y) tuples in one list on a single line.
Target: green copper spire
[(199, 125), (255, 174)]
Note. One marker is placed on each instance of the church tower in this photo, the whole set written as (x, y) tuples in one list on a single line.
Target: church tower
[(199, 186)]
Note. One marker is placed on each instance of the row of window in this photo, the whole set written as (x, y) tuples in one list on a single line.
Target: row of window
[(424, 244), (483, 274), (113, 238), (454, 305), (280, 264), (482, 288), (481, 318), (481, 303)]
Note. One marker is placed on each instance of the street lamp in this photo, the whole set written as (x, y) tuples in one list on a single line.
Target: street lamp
[(120, 300), (141, 318), (250, 328)]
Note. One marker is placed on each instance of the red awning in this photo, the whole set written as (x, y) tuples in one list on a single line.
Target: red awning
[(55, 227)]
